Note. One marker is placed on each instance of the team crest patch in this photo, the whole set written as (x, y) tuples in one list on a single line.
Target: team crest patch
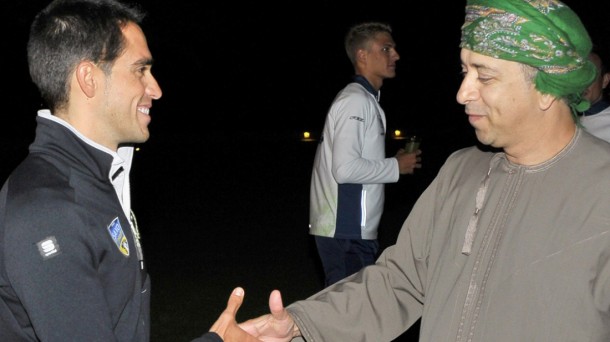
[(118, 236)]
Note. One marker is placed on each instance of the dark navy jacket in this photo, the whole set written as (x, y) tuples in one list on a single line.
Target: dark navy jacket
[(69, 270)]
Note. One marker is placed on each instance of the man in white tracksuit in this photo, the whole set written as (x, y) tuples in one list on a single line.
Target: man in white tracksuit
[(350, 166)]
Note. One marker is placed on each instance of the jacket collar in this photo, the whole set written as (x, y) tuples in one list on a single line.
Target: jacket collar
[(367, 85), (102, 162)]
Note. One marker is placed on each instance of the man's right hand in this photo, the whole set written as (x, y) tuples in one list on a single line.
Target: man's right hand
[(278, 326), (226, 327), (408, 162)]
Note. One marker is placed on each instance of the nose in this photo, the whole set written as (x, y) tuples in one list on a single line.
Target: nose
[(468, 91), (153, 89), (396, 55)]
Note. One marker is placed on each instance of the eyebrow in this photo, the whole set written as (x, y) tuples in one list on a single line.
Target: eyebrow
[(144, 62), (480, 67)]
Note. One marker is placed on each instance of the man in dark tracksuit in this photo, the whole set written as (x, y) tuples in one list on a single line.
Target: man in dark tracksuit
[(68, 248), (71, 265)]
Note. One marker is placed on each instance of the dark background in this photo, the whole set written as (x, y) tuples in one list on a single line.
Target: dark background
[(221, 188)]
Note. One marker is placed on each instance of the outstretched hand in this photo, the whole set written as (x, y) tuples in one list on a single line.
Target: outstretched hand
[(226, 326), (278, 326)]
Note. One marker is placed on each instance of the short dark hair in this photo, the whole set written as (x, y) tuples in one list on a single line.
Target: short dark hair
[(360, 35), (67, 32)]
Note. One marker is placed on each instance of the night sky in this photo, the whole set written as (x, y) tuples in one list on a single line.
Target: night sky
[(259, 71), (266, 72)]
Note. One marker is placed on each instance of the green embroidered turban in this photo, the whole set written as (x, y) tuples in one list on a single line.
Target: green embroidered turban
[(545, 34)]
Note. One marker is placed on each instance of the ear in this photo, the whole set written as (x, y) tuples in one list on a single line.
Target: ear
[(605, 80), (545, 101), (361, 56), (86, 78)]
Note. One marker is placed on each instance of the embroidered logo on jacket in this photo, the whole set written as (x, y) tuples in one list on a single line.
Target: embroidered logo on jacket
[(117, 235), (48, 248)]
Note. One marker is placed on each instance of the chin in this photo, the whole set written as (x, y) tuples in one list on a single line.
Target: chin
[(142, 137), (482, 138)]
